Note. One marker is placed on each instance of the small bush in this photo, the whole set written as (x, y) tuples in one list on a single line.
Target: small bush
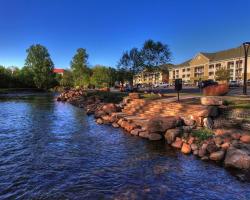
[(227, 103), (151, 96), (202, 134)]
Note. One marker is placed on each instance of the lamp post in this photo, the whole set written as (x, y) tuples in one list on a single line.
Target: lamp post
[(246, 46)]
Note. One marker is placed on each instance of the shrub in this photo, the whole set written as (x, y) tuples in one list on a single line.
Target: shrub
[(202, 134)]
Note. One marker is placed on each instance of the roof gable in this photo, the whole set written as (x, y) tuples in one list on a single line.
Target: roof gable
[(199, 59)]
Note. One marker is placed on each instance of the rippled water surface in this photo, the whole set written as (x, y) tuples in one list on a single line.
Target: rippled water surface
[(52, 150)]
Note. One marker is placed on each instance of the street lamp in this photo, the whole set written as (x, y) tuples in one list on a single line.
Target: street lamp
[(246, 46)]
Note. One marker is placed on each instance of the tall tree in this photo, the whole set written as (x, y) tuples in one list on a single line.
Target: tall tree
[(131, 61), (151, 56), (155, 54), (39, 61), (81, 73)]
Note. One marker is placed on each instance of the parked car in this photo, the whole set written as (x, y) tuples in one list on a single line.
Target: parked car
[(164, 85), (234, 84), (203, 84)]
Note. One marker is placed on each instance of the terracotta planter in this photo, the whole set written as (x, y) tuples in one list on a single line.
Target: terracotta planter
[(216, 90)]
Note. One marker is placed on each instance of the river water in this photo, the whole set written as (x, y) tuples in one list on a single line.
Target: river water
[(52, 150)]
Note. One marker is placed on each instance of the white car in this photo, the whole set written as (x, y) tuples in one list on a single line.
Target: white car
[(164, 85)]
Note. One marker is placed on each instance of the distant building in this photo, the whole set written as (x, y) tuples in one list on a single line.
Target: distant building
[(58, 71), (204, 65), (157, 76)]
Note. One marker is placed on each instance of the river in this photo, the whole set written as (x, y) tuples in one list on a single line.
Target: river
[(52, 150)]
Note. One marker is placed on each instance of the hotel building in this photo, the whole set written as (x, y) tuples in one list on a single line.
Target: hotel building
[(204, 65)]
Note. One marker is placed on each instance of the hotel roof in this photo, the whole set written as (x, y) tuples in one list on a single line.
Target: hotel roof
[(219, 55)]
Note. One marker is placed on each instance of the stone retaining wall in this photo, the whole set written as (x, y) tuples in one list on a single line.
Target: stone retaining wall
[(232, 113)]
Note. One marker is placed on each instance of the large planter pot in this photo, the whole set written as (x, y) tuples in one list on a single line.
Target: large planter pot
[(216, 90), (105, 89)]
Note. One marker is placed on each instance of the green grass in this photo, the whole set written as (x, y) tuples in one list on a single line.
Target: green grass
[(202, 134), (240, 104), (150, 96)]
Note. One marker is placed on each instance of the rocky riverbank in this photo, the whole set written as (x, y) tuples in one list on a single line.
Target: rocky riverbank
[(90, 101), (185, 126)]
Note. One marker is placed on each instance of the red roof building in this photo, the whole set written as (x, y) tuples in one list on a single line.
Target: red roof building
[(58, 71)]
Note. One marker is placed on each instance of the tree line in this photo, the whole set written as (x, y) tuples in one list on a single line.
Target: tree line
[(38, 69)]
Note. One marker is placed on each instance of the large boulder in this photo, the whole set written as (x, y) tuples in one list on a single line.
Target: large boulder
[(99, 121), (115, 125), (109, 108), (178, 143), (171, 135), (186, 148), (188, 121), (212, 147), (203, 150), (217, 156), (144, 134), (211, 101), (136, 131), (161, 124), (237, 158), (205, 111), (245, 138), (154, 136), (194, 147), (99, 113)]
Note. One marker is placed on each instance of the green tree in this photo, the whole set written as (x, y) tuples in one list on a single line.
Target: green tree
[(100, 76), (26, 77), (222, 74), (155, 54), (5, 77), (131, 61), (151, 56), (39, 61), (67, 79), (81, 73)]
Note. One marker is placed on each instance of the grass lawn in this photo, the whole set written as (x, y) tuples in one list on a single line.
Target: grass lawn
[(237, 103)]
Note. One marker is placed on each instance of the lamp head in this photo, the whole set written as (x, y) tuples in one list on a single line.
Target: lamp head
[(246, 44)]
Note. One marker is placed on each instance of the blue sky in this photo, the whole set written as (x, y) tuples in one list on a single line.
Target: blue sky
[(106, 28)]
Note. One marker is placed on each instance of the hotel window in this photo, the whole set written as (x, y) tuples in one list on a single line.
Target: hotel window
[(211, 73), (177, 71), (211, 66), (183, 70), (199, 71), (230, 65), (188, 75), (239, 63), (218, 66), (183, 76), (188, 69)]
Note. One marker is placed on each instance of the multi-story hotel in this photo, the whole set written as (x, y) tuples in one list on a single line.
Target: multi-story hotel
[(204, 65), (153, 77)]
